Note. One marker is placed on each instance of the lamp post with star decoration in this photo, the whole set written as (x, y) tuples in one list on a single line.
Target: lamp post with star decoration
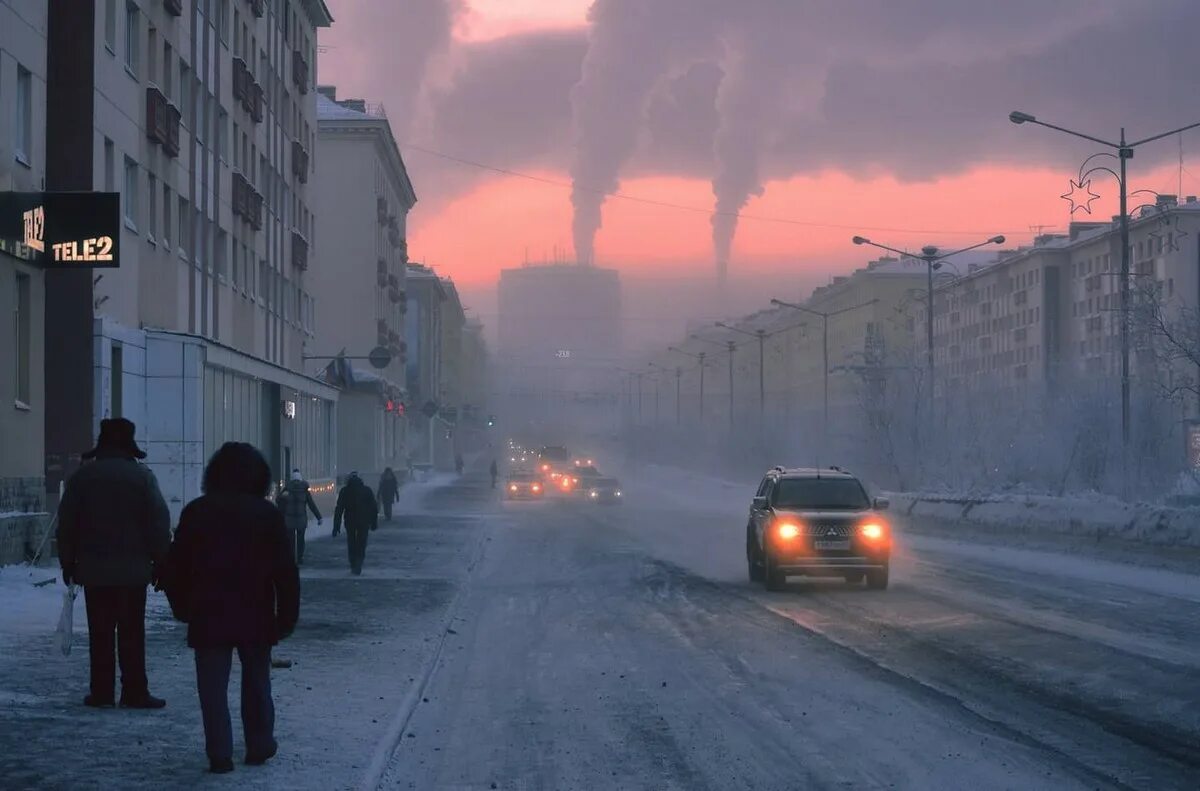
[(1124, 149)]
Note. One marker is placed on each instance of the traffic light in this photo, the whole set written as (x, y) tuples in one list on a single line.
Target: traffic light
[(491, 420)]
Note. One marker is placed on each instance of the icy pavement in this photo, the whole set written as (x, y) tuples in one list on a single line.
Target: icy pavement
[(359, 646)]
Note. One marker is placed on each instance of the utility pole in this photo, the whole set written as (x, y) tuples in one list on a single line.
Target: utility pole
[(678, 381)]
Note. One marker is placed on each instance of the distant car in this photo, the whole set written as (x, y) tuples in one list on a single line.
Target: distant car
[(817, 522), (585, 461), (524, 486), (604, 490)]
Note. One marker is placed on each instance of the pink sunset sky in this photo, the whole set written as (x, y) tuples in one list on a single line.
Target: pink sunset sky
[(490, 81)]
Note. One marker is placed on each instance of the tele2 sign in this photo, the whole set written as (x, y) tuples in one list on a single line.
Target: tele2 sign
[(62, 230)]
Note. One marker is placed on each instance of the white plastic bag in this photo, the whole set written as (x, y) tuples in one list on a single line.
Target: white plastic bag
[(66, 621)]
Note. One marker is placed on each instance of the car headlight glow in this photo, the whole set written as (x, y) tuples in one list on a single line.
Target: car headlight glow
[(871, 530), (593, 494), (787, 530), (537, 487), (618, 492), (512, 488)]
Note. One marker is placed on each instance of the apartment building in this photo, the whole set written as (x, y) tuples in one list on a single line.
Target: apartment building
[(1048, 316), (22, 284), (363, 198), (203, 116)]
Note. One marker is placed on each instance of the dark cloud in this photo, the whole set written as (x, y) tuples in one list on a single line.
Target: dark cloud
[(750, 91)]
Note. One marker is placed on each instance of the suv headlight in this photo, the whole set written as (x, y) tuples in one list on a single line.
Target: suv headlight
[(872, 531)]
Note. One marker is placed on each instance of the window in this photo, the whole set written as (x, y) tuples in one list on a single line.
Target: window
[(23, 117), (167, 69), (110, 25), (223, 19), (118, 374), (184, 224), (220, 252), (222, 134), (132, 32), (22, 324), (131, 193), (152, 54), (185, 107), (151, 207), (167, 208), (110, 166)]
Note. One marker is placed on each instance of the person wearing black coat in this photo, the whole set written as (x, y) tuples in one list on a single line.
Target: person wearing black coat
[(232, 577), (356, 503), (113, 532), (389, 492)]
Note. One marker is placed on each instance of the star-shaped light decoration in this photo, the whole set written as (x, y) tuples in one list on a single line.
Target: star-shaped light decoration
[(1176, 233), (1080, 195)]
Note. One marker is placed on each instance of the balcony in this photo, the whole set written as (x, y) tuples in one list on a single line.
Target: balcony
[(381, 209), (299, 72), (394, 235), (247, 203), (254, 102), (395, 295), (162, 121), (241, 78), (173, 7), (259, 7), (299, 251), (299, 162)]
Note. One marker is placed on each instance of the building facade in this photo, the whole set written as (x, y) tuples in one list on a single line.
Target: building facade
[(360, 286), (203, 117), (22, 285)]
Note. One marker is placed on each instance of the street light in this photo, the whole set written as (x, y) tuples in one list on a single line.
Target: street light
[(932, 258), (678, 373), (699, 357), (1124, 151), (762, 336), (825, 316), (730, 347)]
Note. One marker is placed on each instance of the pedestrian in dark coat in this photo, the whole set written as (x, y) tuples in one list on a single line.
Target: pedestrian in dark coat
[(295, 500), (356, 502), (233, 580), (113, 533), (389, 492)]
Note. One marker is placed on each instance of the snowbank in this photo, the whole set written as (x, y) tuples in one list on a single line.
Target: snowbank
[(1093, 516)]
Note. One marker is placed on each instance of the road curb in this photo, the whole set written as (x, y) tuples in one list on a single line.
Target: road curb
[(388, 745)]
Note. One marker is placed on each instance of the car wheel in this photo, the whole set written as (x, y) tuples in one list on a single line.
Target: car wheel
[(877, 579), (773, 579), (854, 578), (754, 567)]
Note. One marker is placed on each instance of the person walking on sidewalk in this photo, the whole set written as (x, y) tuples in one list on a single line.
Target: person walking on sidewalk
[(356, 502), (495, 473), (458, 464), (295, 500), (113, 533), (389, 492), (232, 578)]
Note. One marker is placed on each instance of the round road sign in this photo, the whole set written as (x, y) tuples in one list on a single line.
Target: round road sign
[(380, 357)]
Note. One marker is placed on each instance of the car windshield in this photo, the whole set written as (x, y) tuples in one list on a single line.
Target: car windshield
[(819, 493), (605, 482), (588, 472)]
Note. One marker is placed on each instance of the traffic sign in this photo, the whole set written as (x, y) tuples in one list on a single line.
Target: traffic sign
[(380, 357), (430, 409)]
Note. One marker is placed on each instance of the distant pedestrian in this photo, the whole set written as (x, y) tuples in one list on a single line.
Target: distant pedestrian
[(113, 533), (389, 492), (295, 500), (458, 463), (233, 580), (356, 502), (495, 473)]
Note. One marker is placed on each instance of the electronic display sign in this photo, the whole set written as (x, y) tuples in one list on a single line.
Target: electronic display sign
[(62, 230)]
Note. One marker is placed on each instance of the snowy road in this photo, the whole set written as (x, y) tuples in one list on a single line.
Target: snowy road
[(559, 646), (623, 648)]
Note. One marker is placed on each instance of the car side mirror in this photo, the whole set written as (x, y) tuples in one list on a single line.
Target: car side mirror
[(759, 502), (882, 503)]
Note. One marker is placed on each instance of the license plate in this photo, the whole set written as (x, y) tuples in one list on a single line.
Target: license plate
[(840, 544)]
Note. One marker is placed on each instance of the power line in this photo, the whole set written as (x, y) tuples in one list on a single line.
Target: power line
[(694, 209)]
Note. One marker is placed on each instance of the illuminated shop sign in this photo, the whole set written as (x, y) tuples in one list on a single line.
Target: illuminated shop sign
[(62, 230)]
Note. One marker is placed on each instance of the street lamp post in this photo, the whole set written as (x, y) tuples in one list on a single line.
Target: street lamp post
[(825, 316), (933, 259), (1124, 151), (730, 347), (762, 336), (699, 357)]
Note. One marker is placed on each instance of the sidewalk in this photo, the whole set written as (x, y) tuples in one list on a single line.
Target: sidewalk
[(360, 643)]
